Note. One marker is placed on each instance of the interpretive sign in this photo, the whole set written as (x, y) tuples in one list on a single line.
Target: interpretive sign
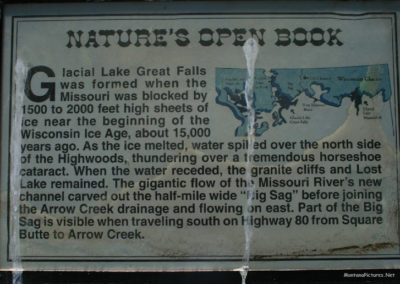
[(145, 137)]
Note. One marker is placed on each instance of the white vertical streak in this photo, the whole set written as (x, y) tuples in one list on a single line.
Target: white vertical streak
[(20, 76), (250, 50)]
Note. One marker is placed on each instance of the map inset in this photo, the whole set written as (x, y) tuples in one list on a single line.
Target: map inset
[(279, 89)]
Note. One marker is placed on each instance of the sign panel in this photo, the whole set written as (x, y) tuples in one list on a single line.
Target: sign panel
[(148, 140)]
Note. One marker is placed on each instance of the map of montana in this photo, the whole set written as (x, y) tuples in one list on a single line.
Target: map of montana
[(279, 90)]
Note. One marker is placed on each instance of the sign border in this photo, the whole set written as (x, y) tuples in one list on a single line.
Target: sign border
[(208, 258)]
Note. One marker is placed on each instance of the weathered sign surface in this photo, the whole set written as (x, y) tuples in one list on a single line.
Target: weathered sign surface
[(145, 137)]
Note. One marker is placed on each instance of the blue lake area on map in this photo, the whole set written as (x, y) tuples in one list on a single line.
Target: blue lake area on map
[(279, 89)]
